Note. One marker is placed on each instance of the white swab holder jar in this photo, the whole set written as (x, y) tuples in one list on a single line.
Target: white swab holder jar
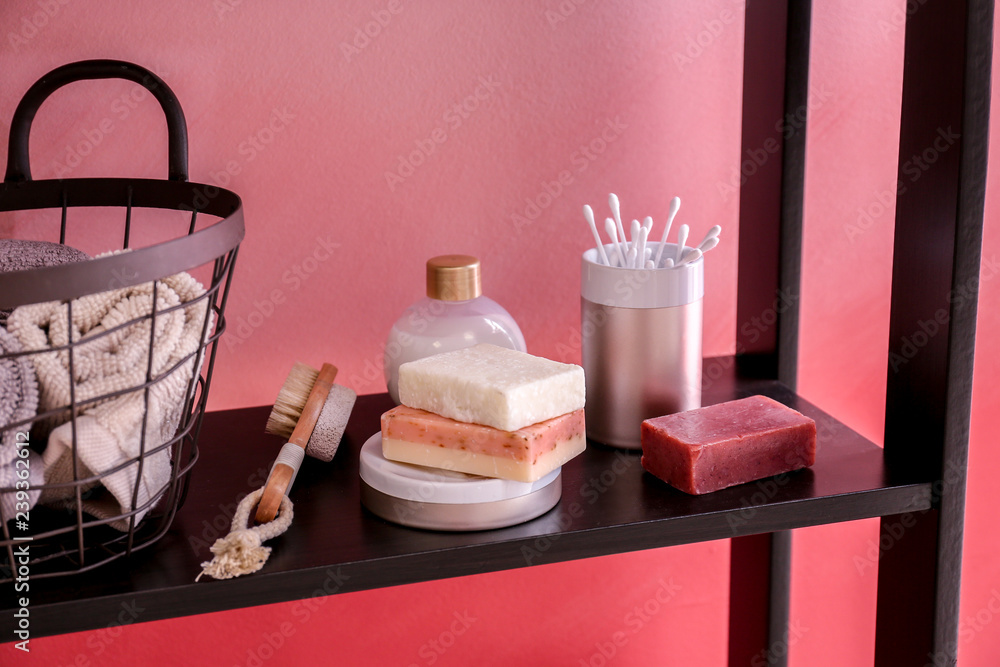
[(641, 336)]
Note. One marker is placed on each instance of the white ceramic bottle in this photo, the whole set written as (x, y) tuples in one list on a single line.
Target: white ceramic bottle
[(452, 316)]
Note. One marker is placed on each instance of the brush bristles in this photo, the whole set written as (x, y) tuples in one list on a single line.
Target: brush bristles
[(291, 400)]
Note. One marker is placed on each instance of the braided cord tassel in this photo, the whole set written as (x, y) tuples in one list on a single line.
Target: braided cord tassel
[(241, 551)]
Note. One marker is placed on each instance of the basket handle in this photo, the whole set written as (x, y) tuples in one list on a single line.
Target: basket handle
[(18, 168)]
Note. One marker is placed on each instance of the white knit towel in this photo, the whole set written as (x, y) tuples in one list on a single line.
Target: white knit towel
[(108, 430)]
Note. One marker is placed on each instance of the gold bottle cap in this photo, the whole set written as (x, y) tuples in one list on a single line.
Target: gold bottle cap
[(453, 278)]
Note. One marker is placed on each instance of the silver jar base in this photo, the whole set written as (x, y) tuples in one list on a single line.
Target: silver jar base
[(462, 517), (640, 363)]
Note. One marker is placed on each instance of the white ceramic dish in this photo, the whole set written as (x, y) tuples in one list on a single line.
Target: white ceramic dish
[(435, 499)]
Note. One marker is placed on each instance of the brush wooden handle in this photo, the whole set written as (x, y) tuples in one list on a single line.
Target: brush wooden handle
[(314, 405), (280, 480), (277, 487)]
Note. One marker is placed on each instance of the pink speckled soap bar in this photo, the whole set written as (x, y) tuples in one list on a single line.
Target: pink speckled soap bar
[(525, 455), (711, 448)]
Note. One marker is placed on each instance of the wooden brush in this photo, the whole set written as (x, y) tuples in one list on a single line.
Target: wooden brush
[(295, 413), (291, 400)]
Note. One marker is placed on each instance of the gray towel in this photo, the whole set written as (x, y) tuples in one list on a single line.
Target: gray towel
[(16, 255), (18, 401)]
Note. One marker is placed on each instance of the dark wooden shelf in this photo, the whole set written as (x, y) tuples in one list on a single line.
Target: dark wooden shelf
[(609, 505)]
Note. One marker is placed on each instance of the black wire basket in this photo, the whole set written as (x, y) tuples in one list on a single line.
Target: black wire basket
[(128, 344)]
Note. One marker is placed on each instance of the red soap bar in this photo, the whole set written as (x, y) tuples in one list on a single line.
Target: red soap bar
[(722, 445)]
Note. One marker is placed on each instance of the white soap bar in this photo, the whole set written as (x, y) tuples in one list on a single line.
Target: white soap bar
[(492, 386)]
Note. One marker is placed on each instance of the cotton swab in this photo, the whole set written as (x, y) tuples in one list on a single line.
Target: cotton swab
[(634, 251), (692, 255), (616, 211), (708, 244), (609, 227), (682, 237), (710, 234), (642, 250), (675, 205), (588, 213)]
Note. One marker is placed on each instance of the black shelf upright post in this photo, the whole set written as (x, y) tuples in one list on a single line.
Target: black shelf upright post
[(772, 170), (943, 147)]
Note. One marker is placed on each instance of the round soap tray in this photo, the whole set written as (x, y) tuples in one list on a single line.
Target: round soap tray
[(421, 497)]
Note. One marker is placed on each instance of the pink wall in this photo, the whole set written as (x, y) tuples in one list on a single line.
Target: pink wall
[(309, 129)]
